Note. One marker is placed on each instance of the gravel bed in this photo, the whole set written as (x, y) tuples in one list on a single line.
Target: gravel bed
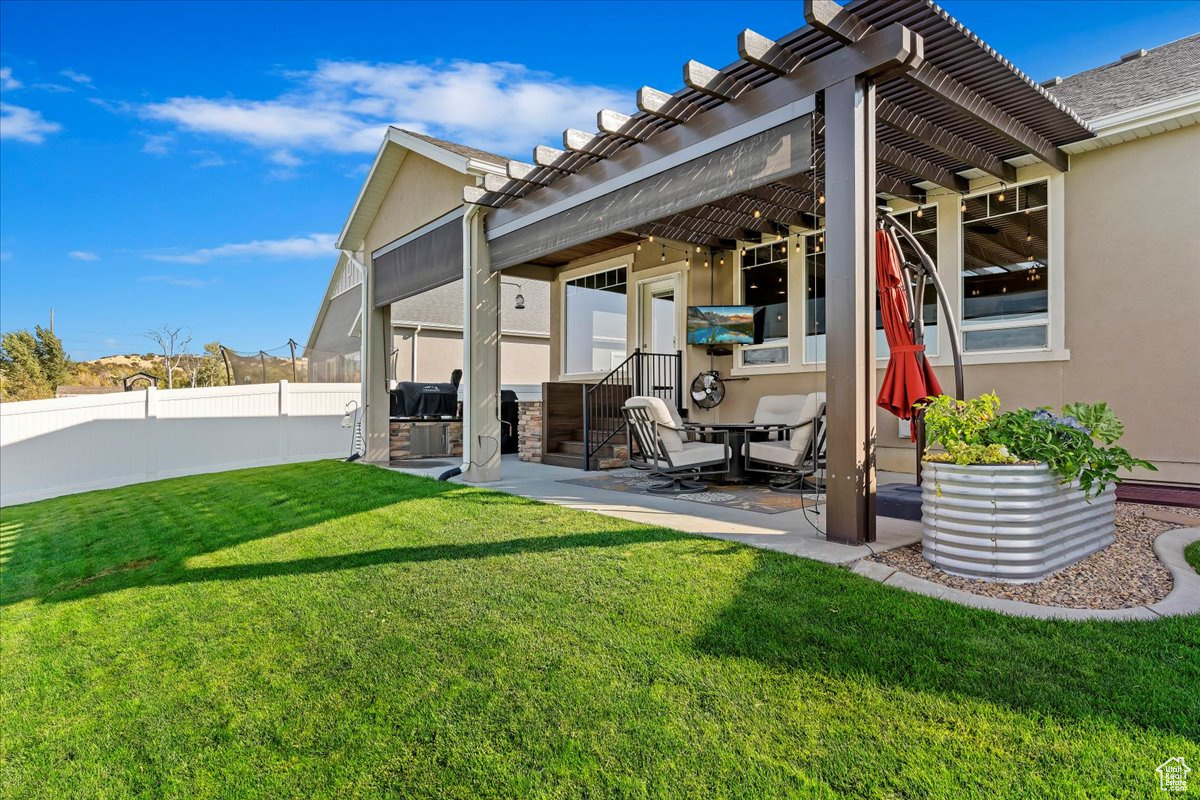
[(1124, 574)]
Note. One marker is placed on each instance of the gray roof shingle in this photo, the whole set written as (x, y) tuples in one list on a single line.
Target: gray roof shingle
[(460, 149), (1171, 70)]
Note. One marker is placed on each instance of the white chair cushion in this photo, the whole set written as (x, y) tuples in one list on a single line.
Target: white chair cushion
[(660, 412), (779, 409), (802, 436), (697, 454), (779, 453)]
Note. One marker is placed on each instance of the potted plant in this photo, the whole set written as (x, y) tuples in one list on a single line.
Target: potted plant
[(1018, 496)]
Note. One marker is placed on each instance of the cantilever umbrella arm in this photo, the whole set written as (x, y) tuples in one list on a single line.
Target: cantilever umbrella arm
[(929, 270)]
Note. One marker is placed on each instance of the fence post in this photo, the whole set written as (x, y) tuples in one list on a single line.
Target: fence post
[(151, 412), (285, 409)]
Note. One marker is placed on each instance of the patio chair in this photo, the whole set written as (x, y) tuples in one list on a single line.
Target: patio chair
[(663, 447), (778, 409), (797, 455)]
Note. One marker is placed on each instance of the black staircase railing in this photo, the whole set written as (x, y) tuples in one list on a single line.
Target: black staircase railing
[(655, 374)]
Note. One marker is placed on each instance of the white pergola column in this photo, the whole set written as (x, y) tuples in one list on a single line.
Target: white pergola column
[(850, 310), (376, 345), (481, 354)]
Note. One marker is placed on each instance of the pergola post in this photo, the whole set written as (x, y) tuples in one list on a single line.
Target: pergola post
[(481, 354), (850, 309), (376, 346)]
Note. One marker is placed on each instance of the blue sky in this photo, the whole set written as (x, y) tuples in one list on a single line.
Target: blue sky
[(191, 163)]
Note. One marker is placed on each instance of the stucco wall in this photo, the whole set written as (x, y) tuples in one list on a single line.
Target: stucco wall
[(1131, 305), (524, 360), (422, 191)]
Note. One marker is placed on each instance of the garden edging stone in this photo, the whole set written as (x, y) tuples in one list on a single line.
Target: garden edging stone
[(1183, 599)]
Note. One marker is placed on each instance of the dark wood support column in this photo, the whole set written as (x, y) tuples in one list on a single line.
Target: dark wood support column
[(850, 309)]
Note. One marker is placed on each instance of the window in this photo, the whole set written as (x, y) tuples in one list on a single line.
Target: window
[(1005, 297), (594, 322), (764, 282), (923, 224), (814, 296), (924, 228)]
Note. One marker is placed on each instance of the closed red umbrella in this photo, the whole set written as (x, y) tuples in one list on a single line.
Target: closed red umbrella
[(909, 376)]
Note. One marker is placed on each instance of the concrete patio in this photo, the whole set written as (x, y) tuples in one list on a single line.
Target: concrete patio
[(799, 532)]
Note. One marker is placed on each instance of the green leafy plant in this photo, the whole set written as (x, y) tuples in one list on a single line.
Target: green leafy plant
[(964, 454), (1077, 446), (1066, 444), (1097, 418), (949, 421)]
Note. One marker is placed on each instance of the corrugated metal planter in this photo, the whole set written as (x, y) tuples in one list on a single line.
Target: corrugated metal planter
[(1014, 523)]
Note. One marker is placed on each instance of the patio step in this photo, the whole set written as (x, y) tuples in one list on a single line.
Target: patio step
[(575, 448), (576, 462)]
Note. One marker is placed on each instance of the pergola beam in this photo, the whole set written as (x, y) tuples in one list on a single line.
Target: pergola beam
[(665, 106), (583, 142), (925, 170), (678, 234), (713, 82), (943, 141), (848, 28), (617, 124), (767, 53)]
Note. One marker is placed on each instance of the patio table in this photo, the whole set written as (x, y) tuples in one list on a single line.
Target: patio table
[(737, 433)]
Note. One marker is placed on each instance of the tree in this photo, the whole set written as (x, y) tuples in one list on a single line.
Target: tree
[(21, 375), (52, 357), (32, 365), (206, 369), (173, 343)]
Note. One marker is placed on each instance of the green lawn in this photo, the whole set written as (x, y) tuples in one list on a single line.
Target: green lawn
[(1192, 554), (333, 630)]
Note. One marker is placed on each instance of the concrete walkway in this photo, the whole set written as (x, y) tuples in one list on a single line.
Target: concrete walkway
[(801, 533)]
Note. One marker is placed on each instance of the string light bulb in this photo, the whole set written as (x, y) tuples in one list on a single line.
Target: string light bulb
[(662, 253), (757, 213), (639, 246), (962, 204), (1000, 197), (821, 200), (920, 212), (651, 240)]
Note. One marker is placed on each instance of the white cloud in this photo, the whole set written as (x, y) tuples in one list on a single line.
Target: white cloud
[(209, 159), (315, 245), (24, 124), (187, 283), (344, 107), (158, 144), (7, 81), (78, 77), (83, 255)]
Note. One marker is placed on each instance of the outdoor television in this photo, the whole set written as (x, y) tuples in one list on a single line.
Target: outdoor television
[(720, 325)]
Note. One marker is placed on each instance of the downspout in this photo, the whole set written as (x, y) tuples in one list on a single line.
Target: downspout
[(362, 339), (412, 368)]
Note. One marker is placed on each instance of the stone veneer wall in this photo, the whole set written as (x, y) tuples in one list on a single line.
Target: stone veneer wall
[(529, 430), (401, 434)]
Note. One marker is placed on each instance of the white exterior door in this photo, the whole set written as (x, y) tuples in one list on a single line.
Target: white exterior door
[(658, 315)]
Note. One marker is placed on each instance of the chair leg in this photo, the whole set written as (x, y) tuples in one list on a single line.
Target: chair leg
[(677, 485), (787, 485)]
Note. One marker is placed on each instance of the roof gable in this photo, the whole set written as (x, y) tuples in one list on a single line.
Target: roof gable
[(396, 145)]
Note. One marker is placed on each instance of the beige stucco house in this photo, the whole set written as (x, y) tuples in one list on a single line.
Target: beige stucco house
[(427, 327), (1062, 217)]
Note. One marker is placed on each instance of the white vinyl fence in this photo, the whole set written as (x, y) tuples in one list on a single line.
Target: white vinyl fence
[(75, 444)]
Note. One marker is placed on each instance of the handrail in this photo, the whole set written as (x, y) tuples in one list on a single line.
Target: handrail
[(602, 401)]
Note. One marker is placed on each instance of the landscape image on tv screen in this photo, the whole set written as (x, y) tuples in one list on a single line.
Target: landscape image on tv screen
[(720, 325)]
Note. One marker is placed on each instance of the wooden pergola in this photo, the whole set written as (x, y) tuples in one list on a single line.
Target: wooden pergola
[(880, 99)]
